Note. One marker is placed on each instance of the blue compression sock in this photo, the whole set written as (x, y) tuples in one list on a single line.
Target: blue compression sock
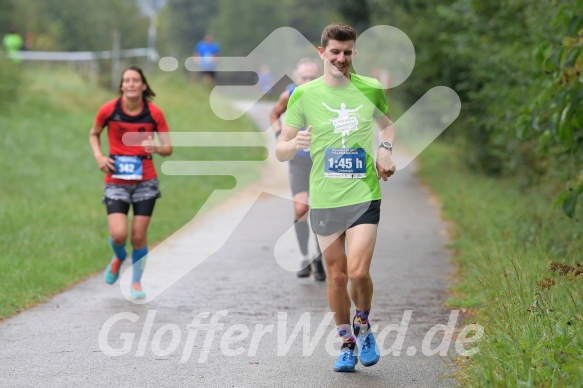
[(119, 250), (138, 263)]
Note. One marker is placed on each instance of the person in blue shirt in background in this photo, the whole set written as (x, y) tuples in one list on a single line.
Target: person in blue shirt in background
[(205, 54), (265, 80)]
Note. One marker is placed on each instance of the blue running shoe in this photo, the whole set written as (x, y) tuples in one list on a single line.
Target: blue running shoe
[(136, 291), (112, 270), (347, 359), (368, 349)]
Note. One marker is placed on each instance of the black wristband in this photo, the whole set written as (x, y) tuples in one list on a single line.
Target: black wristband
[(277, 133)]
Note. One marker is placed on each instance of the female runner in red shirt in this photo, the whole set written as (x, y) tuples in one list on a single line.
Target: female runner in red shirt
[(130, 175)]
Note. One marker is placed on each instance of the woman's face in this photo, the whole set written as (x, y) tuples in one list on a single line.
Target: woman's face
[(132, 85)]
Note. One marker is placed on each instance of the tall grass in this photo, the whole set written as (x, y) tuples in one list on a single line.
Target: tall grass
[(10, 81), (518, 276), (53, 227)]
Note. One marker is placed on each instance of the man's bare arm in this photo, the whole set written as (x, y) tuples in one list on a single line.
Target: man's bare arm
[(384, 163), (278, 110), (387, 129), (291, 141)]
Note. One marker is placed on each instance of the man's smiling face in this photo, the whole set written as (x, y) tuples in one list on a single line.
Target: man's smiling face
[(337, 57)]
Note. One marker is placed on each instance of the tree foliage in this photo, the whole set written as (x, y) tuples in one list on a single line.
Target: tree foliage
[(185, 22), (518, 76), (556, 115), (237, 26), (356, 13), (7, 9), (240, 27), (309, 16), (72, 25)]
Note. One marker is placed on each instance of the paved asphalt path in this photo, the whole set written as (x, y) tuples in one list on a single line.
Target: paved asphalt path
[(91, 335)]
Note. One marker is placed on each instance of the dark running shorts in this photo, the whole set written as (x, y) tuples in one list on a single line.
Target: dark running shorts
[(299, 174), (141, 208), (118, 197), (210, 73), (329, 221)]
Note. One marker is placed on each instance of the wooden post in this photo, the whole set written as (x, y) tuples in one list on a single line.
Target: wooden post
[(151, 41), (115, 60)]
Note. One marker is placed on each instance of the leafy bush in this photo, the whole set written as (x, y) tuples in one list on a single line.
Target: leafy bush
[(518, 76), (556, 116)]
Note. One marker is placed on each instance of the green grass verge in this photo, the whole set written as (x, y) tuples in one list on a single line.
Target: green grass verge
[(53, 229), (504, 241)]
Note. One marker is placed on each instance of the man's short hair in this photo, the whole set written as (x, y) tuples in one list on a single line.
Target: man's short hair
[(306, 60), (337, 31)]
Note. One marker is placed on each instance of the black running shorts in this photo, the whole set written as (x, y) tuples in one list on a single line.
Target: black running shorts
[(329, 221)]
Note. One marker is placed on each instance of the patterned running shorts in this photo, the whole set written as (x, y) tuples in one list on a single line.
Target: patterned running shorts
[(132, 193)]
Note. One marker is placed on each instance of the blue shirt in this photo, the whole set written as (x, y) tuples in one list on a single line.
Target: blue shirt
[(206, 52), (301, 153)]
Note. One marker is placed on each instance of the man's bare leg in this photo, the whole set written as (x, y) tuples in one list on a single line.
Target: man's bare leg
[(361, 242), (335, 259)]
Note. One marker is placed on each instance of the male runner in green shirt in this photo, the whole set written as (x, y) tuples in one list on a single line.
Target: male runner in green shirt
[(338, 110)]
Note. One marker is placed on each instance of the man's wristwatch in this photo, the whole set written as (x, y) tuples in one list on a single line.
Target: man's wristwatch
[(388, 145)]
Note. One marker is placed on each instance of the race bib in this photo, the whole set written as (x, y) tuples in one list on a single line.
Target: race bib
[(128, 168), (344, 163)]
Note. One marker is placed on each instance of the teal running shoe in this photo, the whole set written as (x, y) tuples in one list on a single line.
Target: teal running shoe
[(112, 270), (347, 359), (136, 291), (368, 349)]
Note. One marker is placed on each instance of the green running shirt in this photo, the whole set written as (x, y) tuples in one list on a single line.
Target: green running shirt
[(342, 147)]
